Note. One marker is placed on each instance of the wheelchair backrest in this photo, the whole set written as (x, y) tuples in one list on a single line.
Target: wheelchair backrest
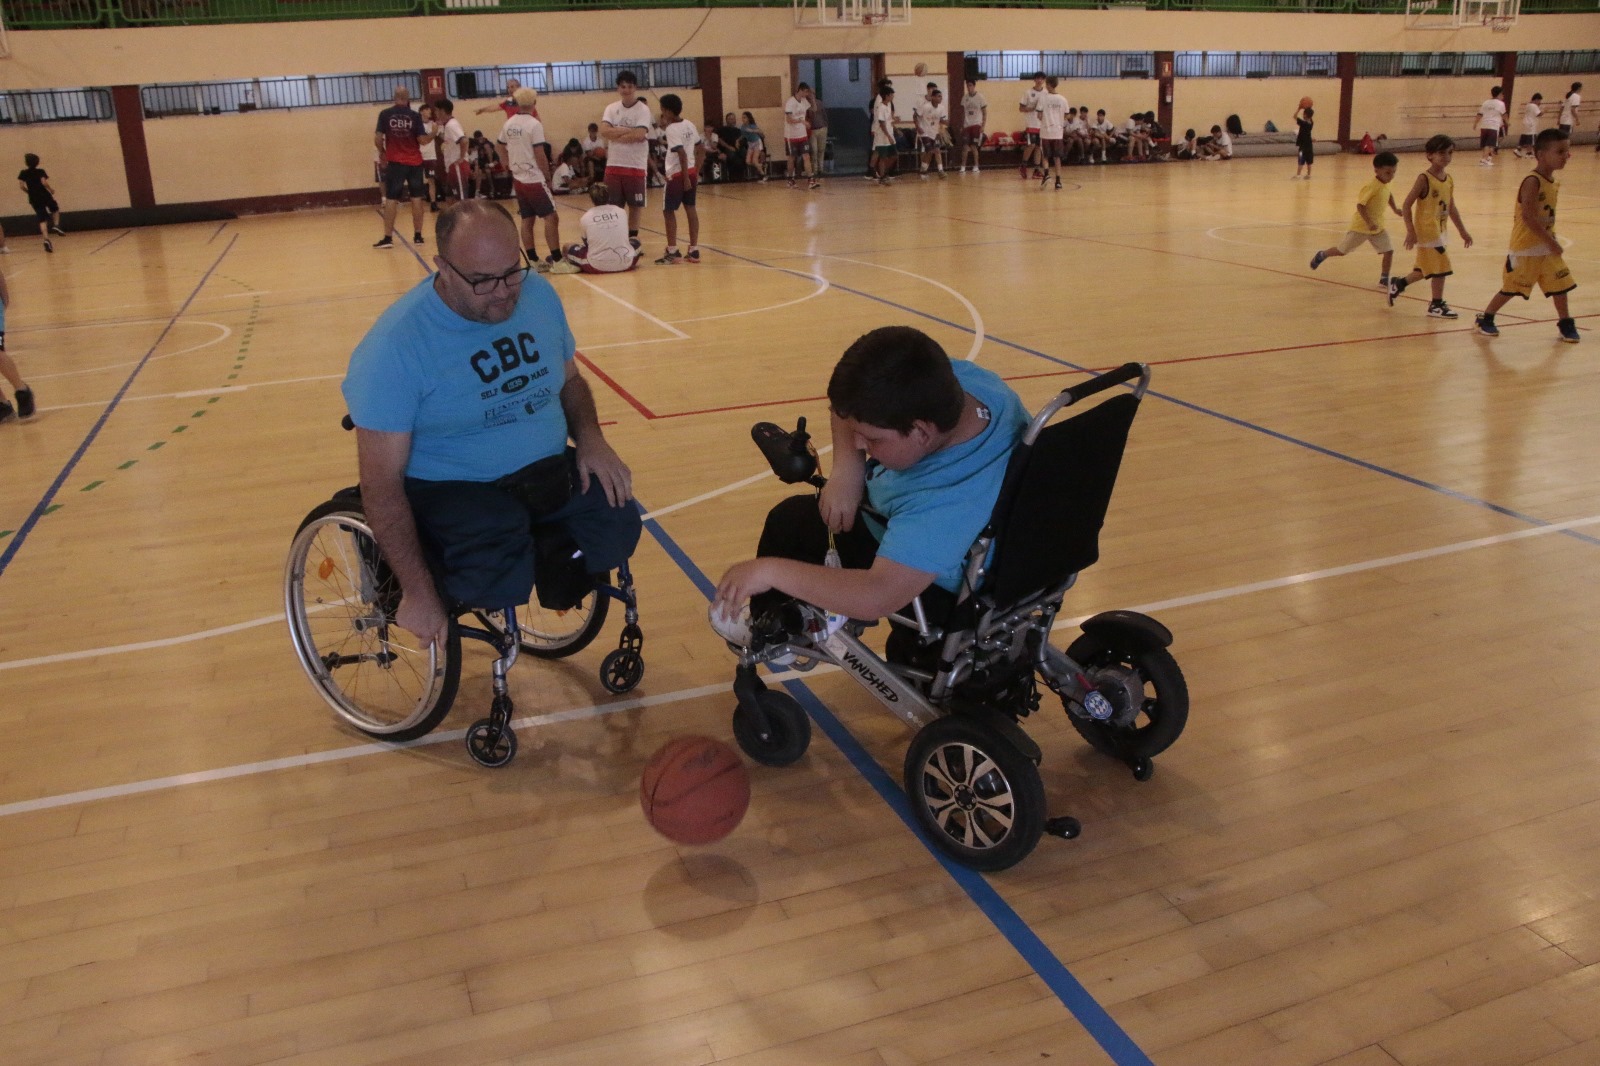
[(1046, 523)]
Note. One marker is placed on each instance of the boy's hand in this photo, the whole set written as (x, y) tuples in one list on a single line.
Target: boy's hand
[(739, 583), (839, 501), (1411, 241), (1466, 239)]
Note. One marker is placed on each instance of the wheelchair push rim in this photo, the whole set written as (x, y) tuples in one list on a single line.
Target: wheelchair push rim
[(339, 599)]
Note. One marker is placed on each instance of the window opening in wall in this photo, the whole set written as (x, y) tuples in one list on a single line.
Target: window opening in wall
[(26, 107), (252, 94)]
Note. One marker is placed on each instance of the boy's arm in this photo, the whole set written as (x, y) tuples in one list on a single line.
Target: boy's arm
[(874, 593), (1455, 216), (1528, 201), (1393, 208), (1361, 209), (5, 294), (847, 480), (1418, 188)]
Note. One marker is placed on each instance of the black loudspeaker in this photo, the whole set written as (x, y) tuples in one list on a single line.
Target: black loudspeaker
[(466, 85), (969, 69)]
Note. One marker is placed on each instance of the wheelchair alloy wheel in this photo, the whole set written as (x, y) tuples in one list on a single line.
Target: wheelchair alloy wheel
[(548, 634), (788, 729), (978, 799), (340, 598), (1151, 680)]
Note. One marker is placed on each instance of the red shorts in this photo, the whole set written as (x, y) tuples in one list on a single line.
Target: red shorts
[(973, 133), (626, 186), (680, 192), (533, 199)]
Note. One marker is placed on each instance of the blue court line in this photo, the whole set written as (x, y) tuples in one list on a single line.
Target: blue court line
[(1094, 1018), (94, 431), (1364, 464)]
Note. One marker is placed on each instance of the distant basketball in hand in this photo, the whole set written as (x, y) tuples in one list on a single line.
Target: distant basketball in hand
[(694, 790), (1305, 102), (921, 69)]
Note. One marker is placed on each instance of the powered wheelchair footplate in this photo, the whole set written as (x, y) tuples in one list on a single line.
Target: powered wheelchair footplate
[(964, 681), (341, 599)]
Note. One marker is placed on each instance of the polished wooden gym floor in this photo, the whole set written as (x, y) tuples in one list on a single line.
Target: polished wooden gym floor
[(1375, 535)]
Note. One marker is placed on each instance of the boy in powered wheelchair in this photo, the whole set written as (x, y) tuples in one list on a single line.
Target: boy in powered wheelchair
[(964, 523)]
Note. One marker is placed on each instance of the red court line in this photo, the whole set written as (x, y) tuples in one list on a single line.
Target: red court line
[(616, 388)]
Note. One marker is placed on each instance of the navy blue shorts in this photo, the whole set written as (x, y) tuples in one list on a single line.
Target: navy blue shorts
[(480, 535)]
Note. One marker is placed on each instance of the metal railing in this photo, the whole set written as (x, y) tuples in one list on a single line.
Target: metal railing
[(24, 107), (65, 14)]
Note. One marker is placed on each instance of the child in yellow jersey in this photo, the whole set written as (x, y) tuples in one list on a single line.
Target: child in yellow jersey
[(1367, 223), (1535, 254), (1434, 193)]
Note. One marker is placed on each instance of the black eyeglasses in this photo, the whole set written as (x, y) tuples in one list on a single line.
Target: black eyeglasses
[(484, 286)]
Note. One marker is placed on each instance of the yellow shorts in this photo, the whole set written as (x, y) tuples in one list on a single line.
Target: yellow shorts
[(1353, 240), (1550, 271), (1433, 262)]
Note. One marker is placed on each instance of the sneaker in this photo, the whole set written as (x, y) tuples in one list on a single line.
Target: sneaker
[(416, 238), (58, 231), (540, 266), (815, 184), (563, 266), (975, 170), (961, 170), (1317, 259), (5, 249), (1058, 183), (1485, 325), (1383, 282), (25, 395), (922, 175), (1567, 327), (1396, 287), (48, 246), (792, 185), (672, 255), (1023, 170), (1044, 182), (1440, 309), (693, 256), (386, 243), (734, 629), (7, 412)]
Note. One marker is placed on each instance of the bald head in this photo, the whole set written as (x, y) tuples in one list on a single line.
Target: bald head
[(402, 96), (471, 221)]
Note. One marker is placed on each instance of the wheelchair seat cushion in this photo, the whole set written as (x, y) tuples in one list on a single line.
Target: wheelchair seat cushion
[(1047, 523)]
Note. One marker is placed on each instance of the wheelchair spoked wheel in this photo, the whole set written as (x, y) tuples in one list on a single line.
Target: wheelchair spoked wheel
[(340, 599), (1148, 681), (548, 634), (788, 732), (978, 799)]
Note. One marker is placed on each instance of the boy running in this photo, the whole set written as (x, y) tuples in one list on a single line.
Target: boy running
[(974, 116), (685, 152), (42, 198), (1434, 194), (1530, 126), (1535, 254), (1367, 223), (1491, 120)]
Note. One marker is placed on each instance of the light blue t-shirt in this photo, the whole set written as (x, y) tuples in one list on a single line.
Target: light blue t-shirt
[(937, 508), (479, 401)]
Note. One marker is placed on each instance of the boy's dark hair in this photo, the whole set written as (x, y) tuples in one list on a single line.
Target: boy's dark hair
[(1495, 92), (1549, 137), (1188, 135), (628, 77), (1051, 83), (670, 102), (894, 377), (802, 85), (444, 104), (1309, 113), (599, 193), (1439, 142), (1385, 159), (1576, 86), (30, 160), (1538, 96), (1216, 129)]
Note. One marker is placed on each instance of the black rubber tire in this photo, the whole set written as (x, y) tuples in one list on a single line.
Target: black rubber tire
[(621, 670), (1166, 707), (555, 646), (432, 706), (790, 733), (961, 764), (493, 754)]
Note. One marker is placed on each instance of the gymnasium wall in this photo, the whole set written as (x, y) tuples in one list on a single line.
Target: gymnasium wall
[(84, 160), (1412, 108)]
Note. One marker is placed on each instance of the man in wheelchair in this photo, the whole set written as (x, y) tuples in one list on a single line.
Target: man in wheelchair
[(464, 394), (925, 442)]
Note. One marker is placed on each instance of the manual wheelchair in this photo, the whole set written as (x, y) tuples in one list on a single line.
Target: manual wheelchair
[(964, 673), (341, 598)]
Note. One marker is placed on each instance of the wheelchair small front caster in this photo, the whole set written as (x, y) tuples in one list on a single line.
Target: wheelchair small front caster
[(1143, 768), (621, 670), (489, 744), (1064, 827)]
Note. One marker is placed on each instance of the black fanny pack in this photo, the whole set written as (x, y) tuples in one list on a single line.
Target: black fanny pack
[(543, 487)]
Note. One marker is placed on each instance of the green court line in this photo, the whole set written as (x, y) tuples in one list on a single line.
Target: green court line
[(92, 485), (179, 429), (127, 464), (53, 508), (156, 445)]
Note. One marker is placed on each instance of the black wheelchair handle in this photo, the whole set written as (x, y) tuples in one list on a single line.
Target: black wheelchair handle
[(347, 423), (791, 455), (1111, 378)]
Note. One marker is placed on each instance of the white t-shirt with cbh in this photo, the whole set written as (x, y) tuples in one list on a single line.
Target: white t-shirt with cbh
[(882, 120), (927, 115), (1569, 107), (450, 137), (522, 136), (1030, 107), (972, 106), (561, 180), (1052, 116), (605, 231), (1492, 115), (628, 155), (795, 111), (681, 134), (1530, 118)]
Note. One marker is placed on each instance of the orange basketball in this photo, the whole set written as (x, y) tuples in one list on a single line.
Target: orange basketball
[(1305, 102), (694, 790)]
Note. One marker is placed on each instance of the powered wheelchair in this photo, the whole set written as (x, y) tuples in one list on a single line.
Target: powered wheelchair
[(964, 680), (341, 598)]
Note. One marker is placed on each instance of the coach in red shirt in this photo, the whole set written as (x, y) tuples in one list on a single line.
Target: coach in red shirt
[(400, 137)]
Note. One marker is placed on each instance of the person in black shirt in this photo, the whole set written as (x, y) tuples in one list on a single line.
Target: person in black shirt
[(36, 183), (1302, 142)]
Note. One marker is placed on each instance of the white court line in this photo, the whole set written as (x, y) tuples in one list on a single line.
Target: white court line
[(674, 330), (226, 333), (822, 286), (723, 491), (630, 344), (194, 393), (595, 711)]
